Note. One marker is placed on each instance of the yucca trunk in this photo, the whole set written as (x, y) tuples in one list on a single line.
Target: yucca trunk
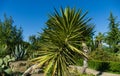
[(85, 61)]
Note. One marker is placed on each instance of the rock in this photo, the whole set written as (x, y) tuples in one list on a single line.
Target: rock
[(37, 71), (32, 70), (18, 66), (25, 67)]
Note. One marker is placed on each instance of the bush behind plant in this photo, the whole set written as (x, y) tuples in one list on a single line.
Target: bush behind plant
[(102, 55), (108, 66)]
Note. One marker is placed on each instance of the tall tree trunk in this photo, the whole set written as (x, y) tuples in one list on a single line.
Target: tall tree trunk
[(85, 61)]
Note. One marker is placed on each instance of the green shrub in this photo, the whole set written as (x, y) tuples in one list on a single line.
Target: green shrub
[(3, 51), (79, 62), (108, 66), (102, 55), (4, 65), (99, 65), (114, 67)]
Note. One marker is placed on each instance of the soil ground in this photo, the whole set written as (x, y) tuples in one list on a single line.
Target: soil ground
[(89, 71)]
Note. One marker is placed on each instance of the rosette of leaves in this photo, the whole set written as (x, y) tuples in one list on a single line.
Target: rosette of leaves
[(19, 52)]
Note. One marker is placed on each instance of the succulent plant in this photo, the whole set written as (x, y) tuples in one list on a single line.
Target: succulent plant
[(8, 71), (19, 52), (4, 65), (1, 62), (8, 59)]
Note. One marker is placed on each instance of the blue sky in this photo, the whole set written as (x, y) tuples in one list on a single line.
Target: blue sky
[(31, 15)]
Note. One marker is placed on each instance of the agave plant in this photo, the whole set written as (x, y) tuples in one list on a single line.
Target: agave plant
[(19, 52), (65, 32)]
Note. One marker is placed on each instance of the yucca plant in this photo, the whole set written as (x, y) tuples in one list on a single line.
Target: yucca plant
[(66, 30)]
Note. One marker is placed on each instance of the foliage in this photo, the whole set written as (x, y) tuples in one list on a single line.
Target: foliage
[(100, 66), (33, 54), (99, 54), (34, 46), (108, 66), (113, 36), (19, 52), (34, 42), (99, 40), (10, 35), (60, 43), (114, 67), (102, 55), (65, 32), (3, 50), (4, 65)]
